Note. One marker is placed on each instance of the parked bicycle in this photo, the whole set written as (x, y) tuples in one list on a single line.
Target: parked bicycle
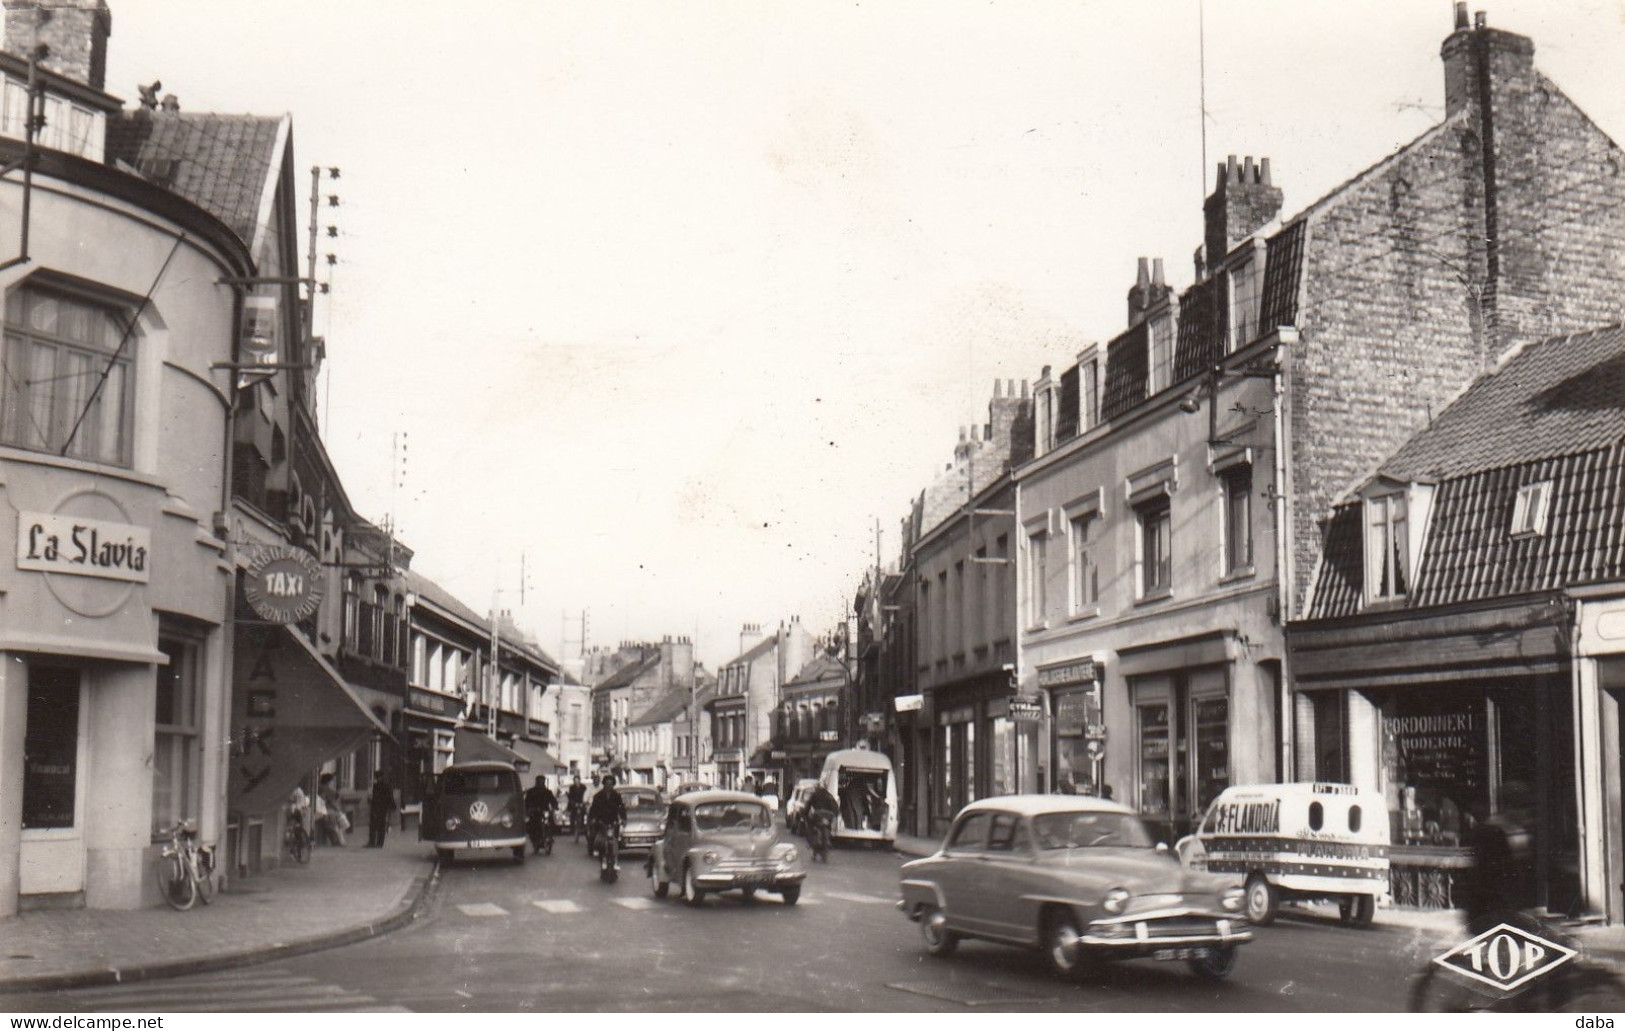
[(185, 868), (297, 838)]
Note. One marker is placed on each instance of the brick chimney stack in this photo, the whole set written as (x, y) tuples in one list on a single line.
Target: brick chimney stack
[(1511, 60), (1243, 202), (1010, 422), (74, 31)]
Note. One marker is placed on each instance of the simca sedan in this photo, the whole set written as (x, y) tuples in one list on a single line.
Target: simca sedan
[(645, 817), (1079, 878), (721, 840), (476, 805)]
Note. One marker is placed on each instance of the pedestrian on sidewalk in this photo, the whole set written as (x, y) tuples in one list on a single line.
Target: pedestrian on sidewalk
[(380, 807), (330, 818)]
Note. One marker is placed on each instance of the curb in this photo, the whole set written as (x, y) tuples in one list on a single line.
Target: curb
[(426, 885)]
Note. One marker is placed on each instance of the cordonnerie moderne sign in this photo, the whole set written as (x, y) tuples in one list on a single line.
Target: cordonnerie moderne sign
[(83, 547)]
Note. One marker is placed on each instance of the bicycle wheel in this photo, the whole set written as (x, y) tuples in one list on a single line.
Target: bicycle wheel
[(203, 875), (179, 890), (1436, 992)]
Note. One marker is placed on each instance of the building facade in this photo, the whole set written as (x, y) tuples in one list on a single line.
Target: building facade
[(748, 696)]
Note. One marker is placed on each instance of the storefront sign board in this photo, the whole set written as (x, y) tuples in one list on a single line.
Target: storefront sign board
[(283, 585), (50, 543), (1081, 672)]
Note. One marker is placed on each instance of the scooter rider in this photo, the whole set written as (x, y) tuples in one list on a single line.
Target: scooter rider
[(606, 812), (821, 812)]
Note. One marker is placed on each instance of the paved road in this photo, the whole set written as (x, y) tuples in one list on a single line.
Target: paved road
[(549, 936)]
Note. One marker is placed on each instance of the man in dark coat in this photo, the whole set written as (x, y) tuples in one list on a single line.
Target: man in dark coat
[(380, 807)]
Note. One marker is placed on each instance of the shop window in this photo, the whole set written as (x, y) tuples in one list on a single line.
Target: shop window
[(1331, 736), (1387, 548), (1154, 769), (176, 755), (1238, 520), (1212, 721), (69, 365), (1156, 533), (1317, 816), (51, 748), (1085, 574)]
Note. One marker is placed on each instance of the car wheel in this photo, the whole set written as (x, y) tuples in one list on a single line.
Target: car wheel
[(1216, 965), (661, 889), (1262, 900), (1356, 910), (519, 854), (791, 895), (939, 941), (691, 891), (1062, 949)]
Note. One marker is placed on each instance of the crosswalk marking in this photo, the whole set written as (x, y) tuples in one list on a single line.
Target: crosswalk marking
[(636, 902), (481, 909), (257, 989), (557, 905), (847, 896)]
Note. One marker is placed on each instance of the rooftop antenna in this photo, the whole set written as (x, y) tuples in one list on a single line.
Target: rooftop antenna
[(1201, 59)]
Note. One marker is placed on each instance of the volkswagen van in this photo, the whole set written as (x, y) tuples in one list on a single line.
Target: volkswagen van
[(1297, 842), (475, 805)]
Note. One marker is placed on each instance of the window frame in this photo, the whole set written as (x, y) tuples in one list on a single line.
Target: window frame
[(1531, 508), (1392, 581), (1236, 485), (1084, 578), (1038, 578), (185, 652), (1160, 508), (121, 326)]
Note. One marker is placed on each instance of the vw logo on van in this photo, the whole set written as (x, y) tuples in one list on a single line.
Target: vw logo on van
[(479, 812)]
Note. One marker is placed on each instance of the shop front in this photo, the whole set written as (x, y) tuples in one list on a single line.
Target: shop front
[(1077, 726), (984, 741), (431, 728), (1456, 717)]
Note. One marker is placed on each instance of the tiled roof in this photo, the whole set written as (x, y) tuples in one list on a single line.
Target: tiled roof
[(1126, 370), (1554, 412), (1558, 397), (427, 589), (219, 162), (820, 668), (628, 673), (756, 650), (665, 708), (1283, 273), (1203, 315)]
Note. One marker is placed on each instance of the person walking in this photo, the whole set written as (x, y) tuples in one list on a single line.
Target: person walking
[(330, 817), (380, 808)]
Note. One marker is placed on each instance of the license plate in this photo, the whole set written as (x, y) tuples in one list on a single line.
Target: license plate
[(1181, 953), (754, 880)]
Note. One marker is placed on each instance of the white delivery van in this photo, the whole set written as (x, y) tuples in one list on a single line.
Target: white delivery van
[(865, 787), (1297, 842)]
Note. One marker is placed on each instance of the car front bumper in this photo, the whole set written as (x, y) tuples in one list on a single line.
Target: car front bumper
[(448, 845), (1145, 934), (769, 880)]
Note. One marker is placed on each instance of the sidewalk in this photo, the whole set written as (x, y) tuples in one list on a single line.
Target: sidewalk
[(1435, 925), (344, 895)]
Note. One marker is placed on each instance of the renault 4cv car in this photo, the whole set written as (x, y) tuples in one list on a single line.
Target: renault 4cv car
[(645, 817), (724, 840), (475, 805), (1079, 878)]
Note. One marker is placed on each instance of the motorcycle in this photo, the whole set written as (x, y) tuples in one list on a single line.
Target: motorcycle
[(606, 843), (539, 828), (819, 824)]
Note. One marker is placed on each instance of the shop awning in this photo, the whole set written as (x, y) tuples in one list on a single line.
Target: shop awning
[(474, 746), (291, 712), (541, 760)]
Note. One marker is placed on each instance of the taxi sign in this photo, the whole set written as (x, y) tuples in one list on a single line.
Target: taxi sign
[(1505, 957), (283, 585)]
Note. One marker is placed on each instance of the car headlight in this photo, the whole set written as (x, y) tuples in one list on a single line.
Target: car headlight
[(788, 856), (1232, 899), (506, 820), (709, 858), (452, 822), (1115, 900)]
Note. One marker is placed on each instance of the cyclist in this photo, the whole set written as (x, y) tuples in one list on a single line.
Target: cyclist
[(606, 812), (577, 794), (540, 804), (821, 812)]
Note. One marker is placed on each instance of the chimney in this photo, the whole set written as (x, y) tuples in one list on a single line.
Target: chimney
[(74, 31), (749, 635), (1244, 201), (1010, 424), (1139, 292), (1510, 57)]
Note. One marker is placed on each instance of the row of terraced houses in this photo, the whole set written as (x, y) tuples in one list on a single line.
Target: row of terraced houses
[(1346, 507), (195, 619)]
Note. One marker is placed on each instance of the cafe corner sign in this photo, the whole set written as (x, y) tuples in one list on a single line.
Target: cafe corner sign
[(52, 543), (284, 585)]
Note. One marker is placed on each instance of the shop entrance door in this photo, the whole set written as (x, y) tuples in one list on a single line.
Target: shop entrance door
[(53, 839)]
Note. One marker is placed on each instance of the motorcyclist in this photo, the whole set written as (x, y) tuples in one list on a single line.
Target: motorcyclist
[(577, 795), (1501, 884), (821, 812), (540, 804), (606, 811)]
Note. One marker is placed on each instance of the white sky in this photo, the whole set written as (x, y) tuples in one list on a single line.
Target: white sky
[(676, 300)]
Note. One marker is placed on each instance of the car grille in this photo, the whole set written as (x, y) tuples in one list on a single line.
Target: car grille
[(745, 865), (1180, 927)]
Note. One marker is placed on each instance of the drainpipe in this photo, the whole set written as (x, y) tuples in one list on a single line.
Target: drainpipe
[(1283, 551)]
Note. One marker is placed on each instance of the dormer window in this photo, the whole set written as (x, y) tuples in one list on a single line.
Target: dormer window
[(1161, 355), (1244, 282), (1529, 510), (1387, 548)]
